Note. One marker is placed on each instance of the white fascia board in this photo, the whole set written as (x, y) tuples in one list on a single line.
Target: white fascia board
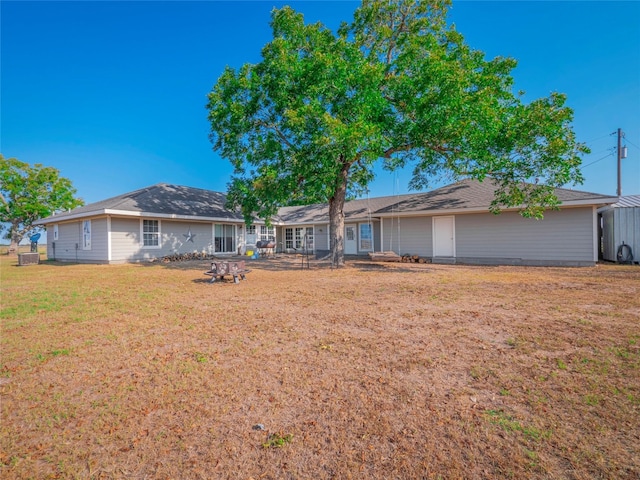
[(589, 203), (441, 211), (65, 217), (278, 223), (359, 219), (127, 213), (164, 216), (453, 211), (321, 221), (304, 224)]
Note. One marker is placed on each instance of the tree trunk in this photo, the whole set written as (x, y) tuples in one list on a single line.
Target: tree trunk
[(13, 248), (336, 217), (336, 231), (15, 238)]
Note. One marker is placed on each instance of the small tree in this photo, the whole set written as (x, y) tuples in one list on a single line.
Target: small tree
[(311, 121), (29, 193)]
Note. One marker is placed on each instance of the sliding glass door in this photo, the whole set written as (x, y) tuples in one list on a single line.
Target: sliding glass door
[(225, 238)]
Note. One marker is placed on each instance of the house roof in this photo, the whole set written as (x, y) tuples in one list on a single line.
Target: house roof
[(474, 195), (463, 196), (353, 209), (173, 201), (160, 200)]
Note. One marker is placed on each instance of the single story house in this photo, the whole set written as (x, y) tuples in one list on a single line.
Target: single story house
[(620, 225), (450, 224)]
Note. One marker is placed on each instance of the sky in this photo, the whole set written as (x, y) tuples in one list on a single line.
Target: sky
[(113, 94)]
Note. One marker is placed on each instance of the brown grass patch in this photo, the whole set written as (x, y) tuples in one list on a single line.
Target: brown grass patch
[(371, 371)]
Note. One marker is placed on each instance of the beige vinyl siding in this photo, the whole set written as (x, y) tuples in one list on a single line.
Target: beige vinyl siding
[(99, 241), (127, 244), (70, 236), (174, 240), (126, 241), (407, 235), (321, 237), (565, 235)]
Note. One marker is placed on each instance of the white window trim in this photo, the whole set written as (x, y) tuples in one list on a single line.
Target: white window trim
[(360, 247), (310, 243), (594, 210), (109, 239), (298, 237), (86, 245), (286, 239), (150, 247), (237, 236), (270, 232)]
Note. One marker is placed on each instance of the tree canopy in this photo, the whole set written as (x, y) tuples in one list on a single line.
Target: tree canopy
[(397, 85), (29, 193)]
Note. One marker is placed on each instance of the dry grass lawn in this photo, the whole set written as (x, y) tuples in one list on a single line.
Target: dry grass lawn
[(372, 371)]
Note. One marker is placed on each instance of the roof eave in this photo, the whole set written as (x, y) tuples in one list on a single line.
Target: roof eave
[(128, 213), (452, 211), (63, 217), (590, 202), (601, 202), (172, 216)]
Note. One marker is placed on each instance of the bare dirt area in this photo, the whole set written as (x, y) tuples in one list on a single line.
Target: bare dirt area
[(375, 370)]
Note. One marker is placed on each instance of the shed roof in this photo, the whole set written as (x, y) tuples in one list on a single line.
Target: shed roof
[(627, 201)]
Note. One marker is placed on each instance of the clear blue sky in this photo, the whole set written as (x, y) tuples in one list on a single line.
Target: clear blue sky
[(113, 93)]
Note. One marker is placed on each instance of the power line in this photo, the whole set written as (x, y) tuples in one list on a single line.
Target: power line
[(596, 161), (627, 141), (602, 151), (598, 138)]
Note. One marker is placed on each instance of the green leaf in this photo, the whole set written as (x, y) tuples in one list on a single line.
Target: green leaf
[(310, 122), (29, 193)]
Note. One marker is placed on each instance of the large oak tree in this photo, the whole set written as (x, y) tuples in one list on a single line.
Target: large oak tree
[(29, 193), (398, 85)]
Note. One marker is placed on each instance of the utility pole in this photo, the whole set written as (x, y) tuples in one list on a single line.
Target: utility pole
[(620, 135), (622, 154)]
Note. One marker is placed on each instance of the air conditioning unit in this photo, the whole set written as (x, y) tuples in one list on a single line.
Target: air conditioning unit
[(28, 258)]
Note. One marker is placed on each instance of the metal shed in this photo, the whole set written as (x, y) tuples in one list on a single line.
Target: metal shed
[(620, 223)]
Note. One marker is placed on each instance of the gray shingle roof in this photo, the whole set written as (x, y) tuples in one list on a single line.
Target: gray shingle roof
[(472, 194), (174, 200), (464, 195), (161, 199), (353, 209)]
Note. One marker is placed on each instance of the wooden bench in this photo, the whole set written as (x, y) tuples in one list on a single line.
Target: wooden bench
[(221, 269)]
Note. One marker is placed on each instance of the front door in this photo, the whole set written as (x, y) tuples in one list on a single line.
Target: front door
[(350, 240), (444, 237), (251, 237)]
